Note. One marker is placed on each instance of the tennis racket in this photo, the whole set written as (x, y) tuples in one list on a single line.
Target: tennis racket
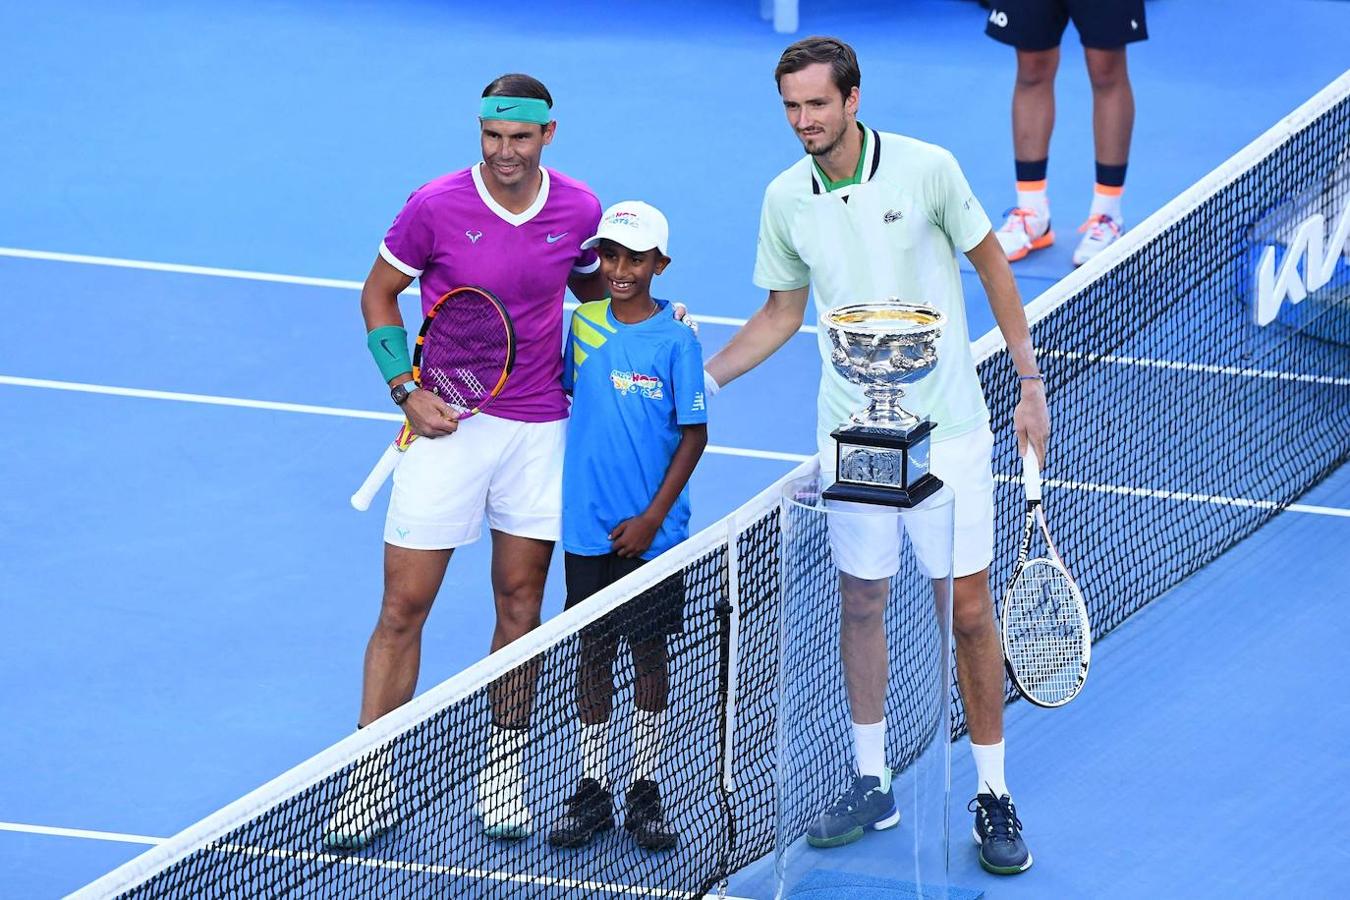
[(1047, 638), (464, 353)]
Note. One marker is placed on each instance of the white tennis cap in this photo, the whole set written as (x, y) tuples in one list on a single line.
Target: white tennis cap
[(633, 224)]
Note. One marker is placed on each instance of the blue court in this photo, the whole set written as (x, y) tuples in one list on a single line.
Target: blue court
[(192, 195)]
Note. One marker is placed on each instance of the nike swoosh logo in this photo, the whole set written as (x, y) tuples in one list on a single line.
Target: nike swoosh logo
[(384, 342), (554, 238), (505, 108)]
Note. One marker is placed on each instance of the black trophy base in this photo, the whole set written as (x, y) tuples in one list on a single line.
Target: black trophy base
[(901, 497)]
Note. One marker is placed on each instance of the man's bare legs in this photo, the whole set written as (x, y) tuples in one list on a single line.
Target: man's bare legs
[(979, 654), (979, 657), (412, 579), (1112, 127), (1112, 105), (519, 568), (1033, 106), (862, 645), (1033, 118), (368, 806), (394, 653)]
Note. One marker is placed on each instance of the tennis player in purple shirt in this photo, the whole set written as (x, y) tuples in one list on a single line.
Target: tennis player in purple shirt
[(515, 228)]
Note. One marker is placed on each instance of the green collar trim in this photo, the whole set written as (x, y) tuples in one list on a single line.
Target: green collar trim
[(857, 177)]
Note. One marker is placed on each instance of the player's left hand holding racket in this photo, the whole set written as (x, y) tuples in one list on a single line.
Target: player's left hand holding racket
[(464, 353), (1047, 638)]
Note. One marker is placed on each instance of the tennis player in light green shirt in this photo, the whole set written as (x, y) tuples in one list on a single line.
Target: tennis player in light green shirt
[(867, 215)]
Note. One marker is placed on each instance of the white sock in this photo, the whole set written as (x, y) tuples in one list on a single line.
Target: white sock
[(1108, 204), (1032, 195), (595, 751), (869, 747), (647, 729), (989, 768), (506, 751)]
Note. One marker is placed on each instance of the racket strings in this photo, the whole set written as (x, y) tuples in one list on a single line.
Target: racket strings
[(466, 351), (446, 388), (471, 380), (1044, 632)]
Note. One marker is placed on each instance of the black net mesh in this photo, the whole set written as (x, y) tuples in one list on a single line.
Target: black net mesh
[(429, 779), (1180, 427)]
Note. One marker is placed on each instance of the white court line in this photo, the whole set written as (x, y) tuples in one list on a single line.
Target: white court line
[(177, 269), (485, 874), (84, 833), (272, 277), (1203, 368), (1182, 496), (457, 871), (208, 399), (337, 411), (712, 448)]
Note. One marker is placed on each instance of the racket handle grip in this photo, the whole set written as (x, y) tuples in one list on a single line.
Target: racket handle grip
[(1031, 474), (376, 479)]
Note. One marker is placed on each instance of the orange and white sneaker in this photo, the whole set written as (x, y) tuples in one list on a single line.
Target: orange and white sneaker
[(1024, 231), (1099, 232)]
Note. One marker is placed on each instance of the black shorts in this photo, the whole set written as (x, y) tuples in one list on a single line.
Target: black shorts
[(656, 612), (1039, 24)]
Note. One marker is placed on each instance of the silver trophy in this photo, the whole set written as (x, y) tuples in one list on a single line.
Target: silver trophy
[(882, 451)]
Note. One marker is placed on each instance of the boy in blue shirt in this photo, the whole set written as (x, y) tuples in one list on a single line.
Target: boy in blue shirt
[(638, 427)]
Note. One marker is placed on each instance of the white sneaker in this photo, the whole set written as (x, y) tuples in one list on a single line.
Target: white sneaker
[(1099, 232), (1024, 231), (501, 803), (367, 808)]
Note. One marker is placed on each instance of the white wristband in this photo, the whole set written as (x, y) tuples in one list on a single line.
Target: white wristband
[(710, 385)]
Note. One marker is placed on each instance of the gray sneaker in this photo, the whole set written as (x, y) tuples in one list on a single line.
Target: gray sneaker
[(867, 805), (998, 831)]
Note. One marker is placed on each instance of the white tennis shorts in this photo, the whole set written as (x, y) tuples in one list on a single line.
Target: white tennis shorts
[(512, 471), (869, 546)]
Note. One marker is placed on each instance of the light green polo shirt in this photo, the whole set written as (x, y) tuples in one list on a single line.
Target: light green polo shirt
[(891, 231)]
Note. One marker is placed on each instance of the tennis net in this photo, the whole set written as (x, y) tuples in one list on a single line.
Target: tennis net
[(1181, 425), (1199, 375)]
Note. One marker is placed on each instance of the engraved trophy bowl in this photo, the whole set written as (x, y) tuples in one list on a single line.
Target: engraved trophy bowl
[(883, 346)]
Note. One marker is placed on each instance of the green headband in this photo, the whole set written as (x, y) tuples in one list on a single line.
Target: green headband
[(516, 109)]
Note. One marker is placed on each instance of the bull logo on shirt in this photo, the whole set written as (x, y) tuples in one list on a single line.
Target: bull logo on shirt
[(635, 382)]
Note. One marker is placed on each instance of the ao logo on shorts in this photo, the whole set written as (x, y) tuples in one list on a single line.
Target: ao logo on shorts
[(999, 18)]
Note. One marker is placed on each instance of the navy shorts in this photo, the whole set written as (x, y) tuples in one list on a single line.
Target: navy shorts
[(1040, 24), (658, 611)]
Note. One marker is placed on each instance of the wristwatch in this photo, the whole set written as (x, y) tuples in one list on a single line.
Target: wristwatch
[(400, 392)]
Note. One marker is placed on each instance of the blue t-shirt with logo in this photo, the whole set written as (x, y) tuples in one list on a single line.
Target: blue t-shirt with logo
[(633, 387)]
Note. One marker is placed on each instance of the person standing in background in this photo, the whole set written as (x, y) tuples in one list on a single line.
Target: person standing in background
[(1034, 28)]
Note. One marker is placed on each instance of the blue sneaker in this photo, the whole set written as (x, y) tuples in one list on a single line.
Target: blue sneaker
[(998, 831), (867, 804), (590, 811)]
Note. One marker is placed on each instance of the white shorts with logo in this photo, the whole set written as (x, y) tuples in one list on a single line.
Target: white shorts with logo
[(512, 471), (869, 547)]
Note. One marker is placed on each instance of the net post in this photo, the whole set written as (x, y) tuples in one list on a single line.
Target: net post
[(732, 651), (728, 618)]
